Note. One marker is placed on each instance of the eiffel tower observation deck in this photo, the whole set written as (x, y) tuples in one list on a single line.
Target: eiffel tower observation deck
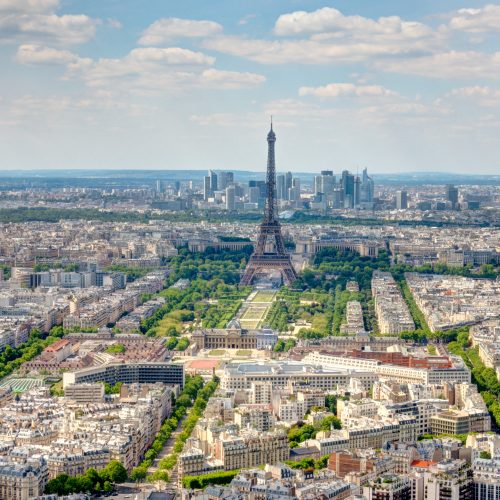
[(270, 253)]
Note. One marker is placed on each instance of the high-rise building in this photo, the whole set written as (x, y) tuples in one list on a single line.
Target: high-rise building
[(225, 179), (367, 187), (261, 185), (230, 198), (401, 200), (327, 183), (347, 183), (206, 188), (288, 183), (253, 194), (318, 184), (357, 191), (213, 181), (324, 183), (452, 195), (337, 197), (280, 187), (294, 195)]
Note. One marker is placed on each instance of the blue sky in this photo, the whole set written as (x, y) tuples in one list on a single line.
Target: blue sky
[(391, 85)]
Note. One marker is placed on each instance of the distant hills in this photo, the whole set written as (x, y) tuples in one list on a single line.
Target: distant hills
[(120, 178)]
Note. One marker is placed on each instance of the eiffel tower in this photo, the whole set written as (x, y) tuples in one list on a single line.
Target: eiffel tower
[(269, 253)]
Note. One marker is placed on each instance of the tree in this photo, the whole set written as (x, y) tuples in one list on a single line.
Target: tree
[(138, 473), (159, 475), (116, 472), (301, 432), (322, 462), (328, 422)]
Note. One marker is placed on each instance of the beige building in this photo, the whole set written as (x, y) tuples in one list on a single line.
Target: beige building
[(22, 481), (461, 422), (85, 393), (252, 449)]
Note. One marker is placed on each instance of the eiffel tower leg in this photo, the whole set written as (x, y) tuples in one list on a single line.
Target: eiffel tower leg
[(248, 275), (289, 275)]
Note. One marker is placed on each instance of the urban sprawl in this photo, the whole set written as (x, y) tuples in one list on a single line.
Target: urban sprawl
[(159, 341)]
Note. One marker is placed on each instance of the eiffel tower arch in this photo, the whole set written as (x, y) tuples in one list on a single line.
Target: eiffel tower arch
[(270, 253)]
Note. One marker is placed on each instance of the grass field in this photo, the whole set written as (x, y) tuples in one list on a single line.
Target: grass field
[(21, 384), (243, 352), (250, 324), (217, 352), (254, 313), (253, 316), (264, 296)]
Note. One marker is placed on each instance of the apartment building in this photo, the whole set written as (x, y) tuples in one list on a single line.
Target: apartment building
[(128, 373), (388, 486), (251, 449), (258, 417), (450, 479), (403, 374), (486, 478), (278, 374), (393, 315), (232, 450), (354, 324), (22, 480)]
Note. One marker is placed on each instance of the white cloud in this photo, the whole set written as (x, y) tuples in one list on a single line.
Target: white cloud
[(479, 20), (477, 95), (143, 68), (246, 19), (37, 54), (67, 29), (305, 51), (165, 30), (170, 56), (36, 20), (28, 5), (58, 110), (146, 69), (231, 79), (151, 70), (346, 90), (299, 113), (330, 20), (453, 64), (114, 23), (326, 35)]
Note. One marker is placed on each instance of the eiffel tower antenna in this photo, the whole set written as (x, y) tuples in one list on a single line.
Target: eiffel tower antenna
[(263, 258)]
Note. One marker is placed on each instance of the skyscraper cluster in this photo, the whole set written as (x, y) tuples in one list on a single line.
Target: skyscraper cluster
[(349, 192), (288, 188), (214, 182)]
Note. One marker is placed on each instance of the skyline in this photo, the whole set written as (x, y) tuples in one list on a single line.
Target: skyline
[(92, 85)]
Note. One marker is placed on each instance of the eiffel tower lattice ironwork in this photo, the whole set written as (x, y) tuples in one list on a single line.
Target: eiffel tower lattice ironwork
[(270, 253)]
